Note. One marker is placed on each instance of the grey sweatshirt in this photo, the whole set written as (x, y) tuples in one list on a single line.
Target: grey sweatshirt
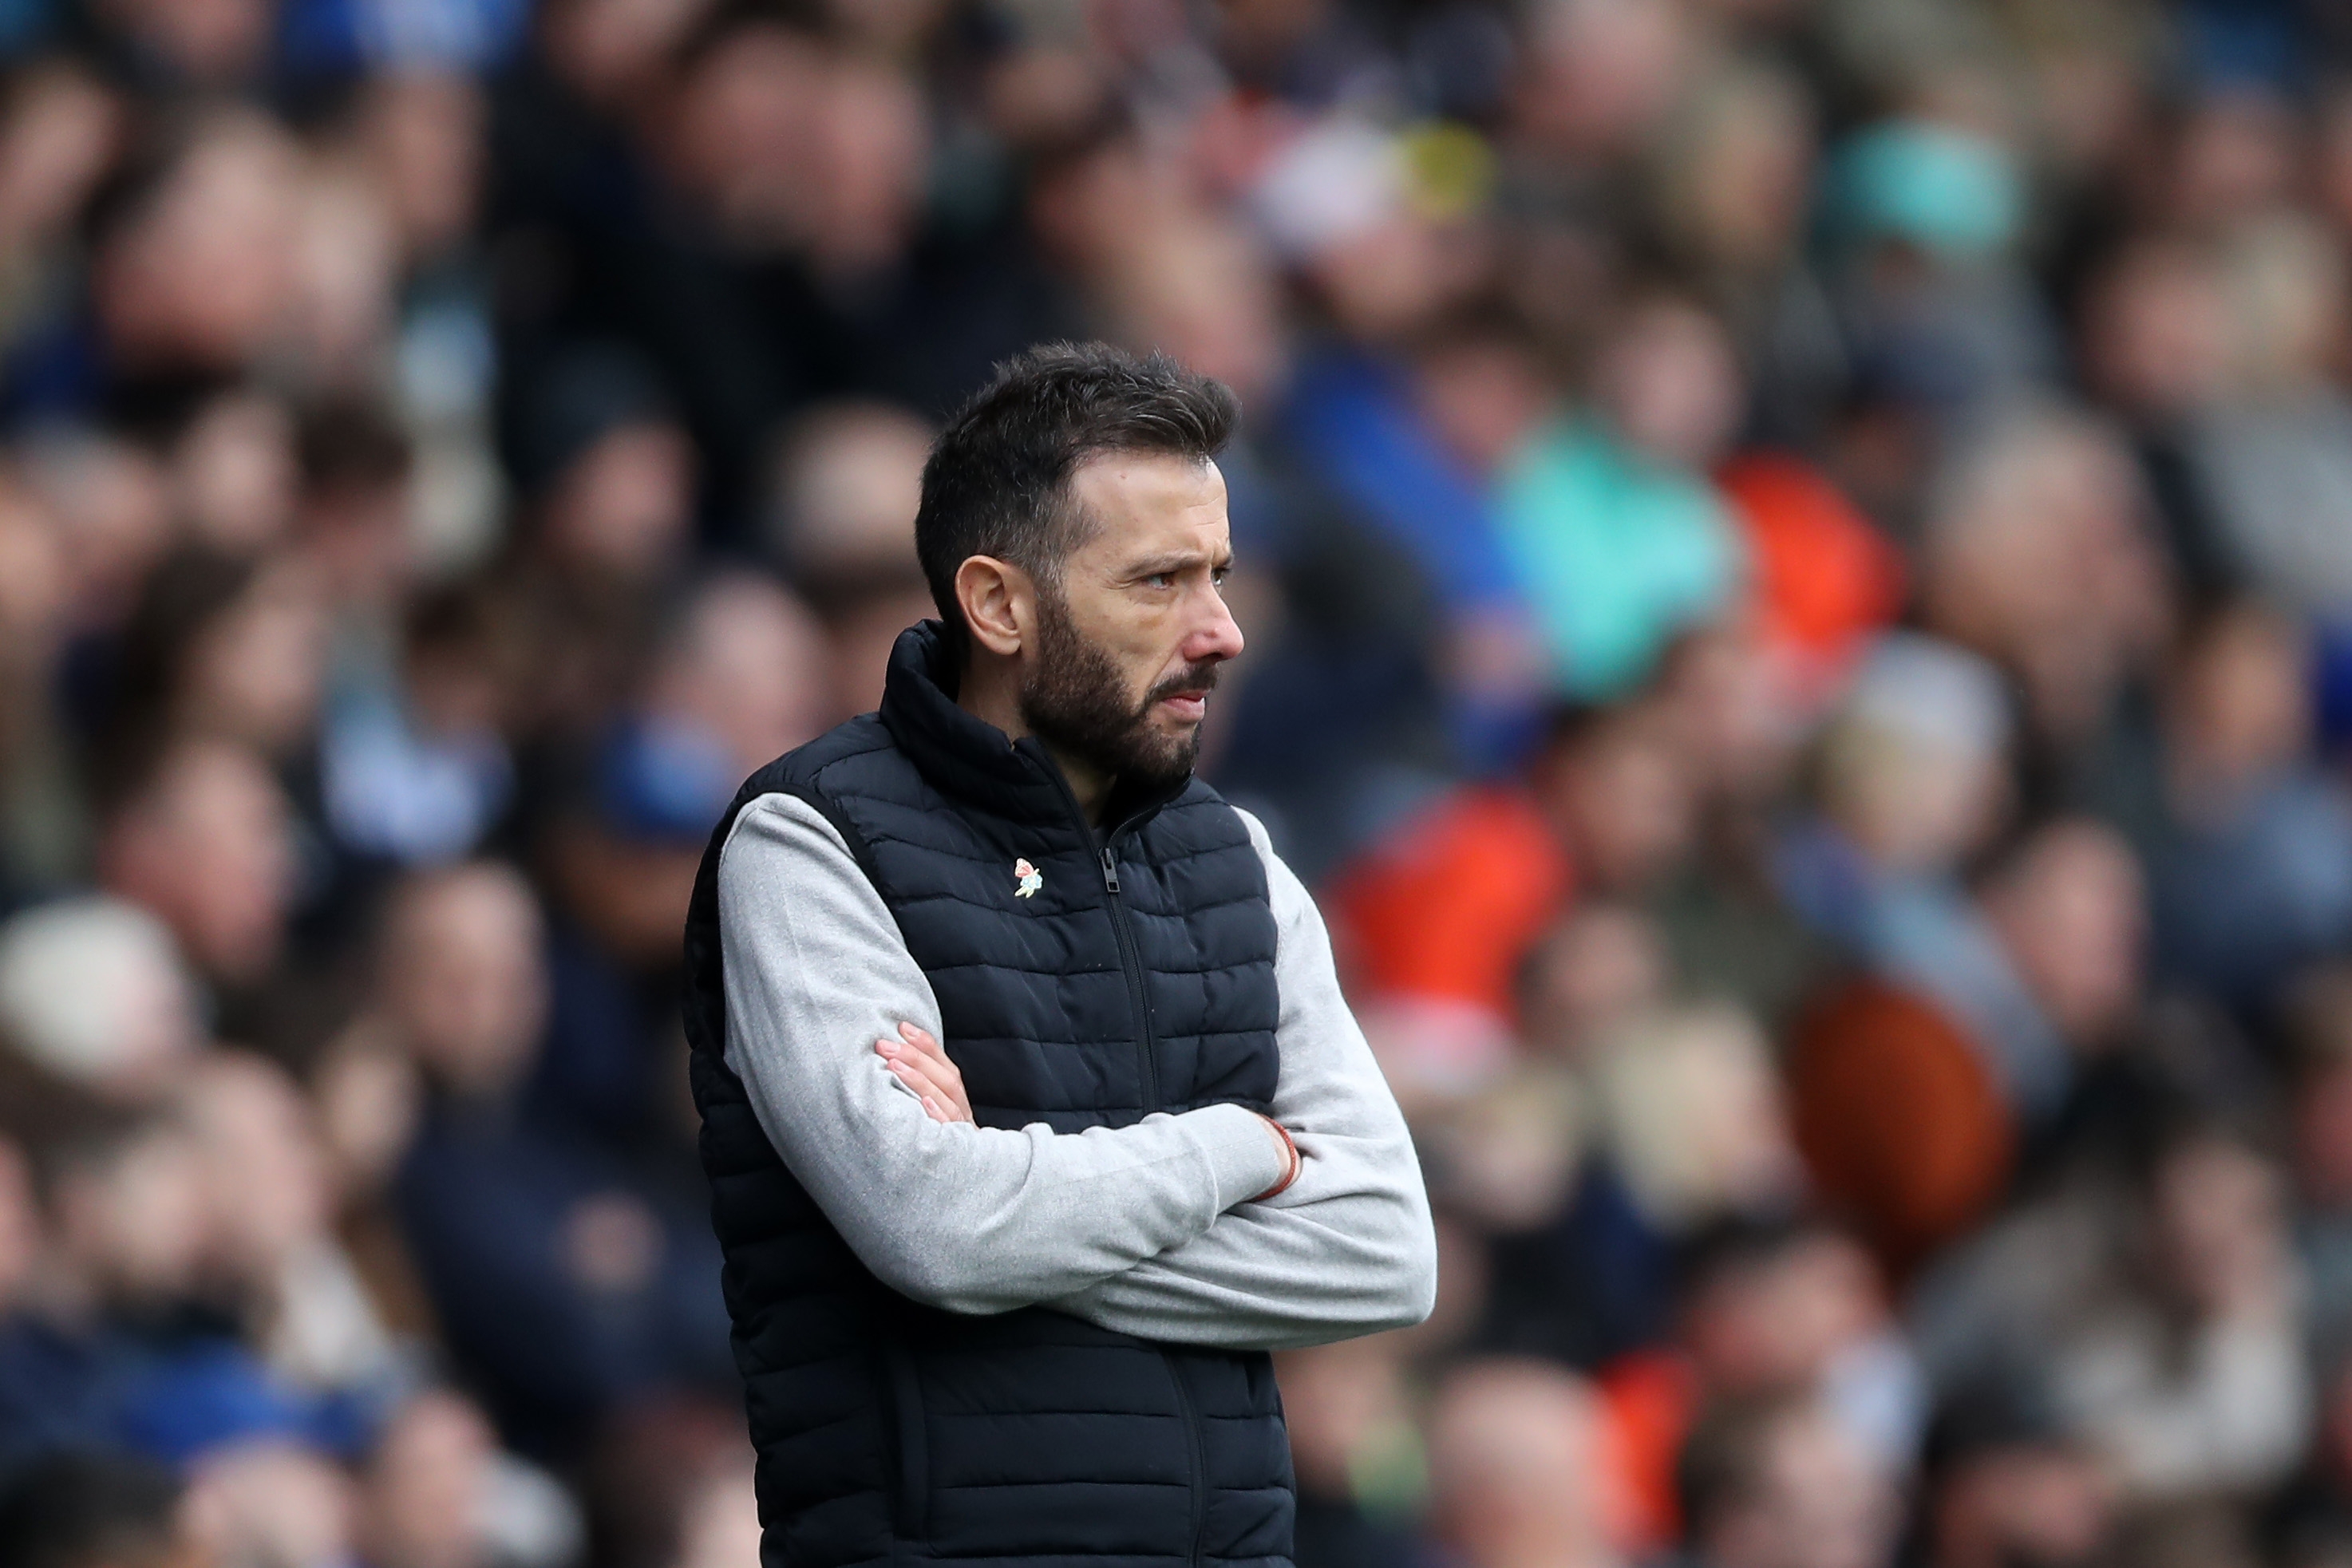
[(1150, 1228)]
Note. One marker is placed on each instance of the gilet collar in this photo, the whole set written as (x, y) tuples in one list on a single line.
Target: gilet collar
[(966, 758)]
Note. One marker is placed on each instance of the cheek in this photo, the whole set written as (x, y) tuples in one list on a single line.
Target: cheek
[(1139, 639)]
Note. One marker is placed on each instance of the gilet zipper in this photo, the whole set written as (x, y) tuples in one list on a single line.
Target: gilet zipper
[(1131, 959), (1130, 956)]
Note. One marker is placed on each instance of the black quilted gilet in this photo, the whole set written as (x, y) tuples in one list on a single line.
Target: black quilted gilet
[(1136, 975)]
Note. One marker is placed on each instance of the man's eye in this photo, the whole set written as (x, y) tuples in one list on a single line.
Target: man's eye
[(1161, 580), (1217, 575)]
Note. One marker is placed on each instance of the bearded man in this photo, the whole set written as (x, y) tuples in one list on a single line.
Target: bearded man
[(1032, 1109)]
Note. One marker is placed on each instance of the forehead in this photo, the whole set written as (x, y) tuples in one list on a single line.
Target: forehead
[(1142, 502)]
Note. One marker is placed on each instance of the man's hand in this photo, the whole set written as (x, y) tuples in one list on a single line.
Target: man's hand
[(922, 1064)]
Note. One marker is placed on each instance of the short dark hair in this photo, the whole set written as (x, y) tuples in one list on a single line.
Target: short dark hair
[(997, 482), (1737, 1243)]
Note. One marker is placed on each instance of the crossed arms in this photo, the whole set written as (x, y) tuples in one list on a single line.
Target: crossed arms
[(1154, 1229)]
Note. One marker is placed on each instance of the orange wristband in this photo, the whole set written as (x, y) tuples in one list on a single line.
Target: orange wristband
[(1290, 1173)]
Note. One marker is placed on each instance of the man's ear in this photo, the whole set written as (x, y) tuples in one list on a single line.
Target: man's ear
[(1000, 604)]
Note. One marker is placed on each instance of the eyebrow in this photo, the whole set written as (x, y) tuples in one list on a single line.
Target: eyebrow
[(1176, 561)]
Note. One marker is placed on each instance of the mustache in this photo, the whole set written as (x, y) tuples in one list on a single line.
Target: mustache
[(1195, 677)]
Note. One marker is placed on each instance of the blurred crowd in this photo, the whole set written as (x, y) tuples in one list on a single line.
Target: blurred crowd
[(1798, 562)]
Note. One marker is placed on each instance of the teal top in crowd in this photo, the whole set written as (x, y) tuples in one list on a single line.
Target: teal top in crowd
[(1616, 553)]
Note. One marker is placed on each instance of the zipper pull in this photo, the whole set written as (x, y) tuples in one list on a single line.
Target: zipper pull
[(1110, 869)]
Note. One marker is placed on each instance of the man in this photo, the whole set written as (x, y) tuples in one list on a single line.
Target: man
[(1033, 1111), (2010, 1483), (1779, 1481), (1521, 1468)]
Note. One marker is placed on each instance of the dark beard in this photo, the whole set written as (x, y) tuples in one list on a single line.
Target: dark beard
[(1075, 702)]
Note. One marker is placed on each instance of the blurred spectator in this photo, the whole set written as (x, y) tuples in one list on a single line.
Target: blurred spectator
[(841, 519), (277, 1262), (421, 134), (42, 816), (1915, 1096), (1441, 912), (2068, 906), (194, 264), (271, 1503), (423, 772), (2270, 451), (1618, 540), (1587, 1184), (739, 674), (2235, 1416), (1567, 1266), (1775, 1482), (63, 129), (1601, 967), (1773, 1306), (1520, 1469), (1826, 578), (562, 1289), (438, 1493), (2156, 346), (2039, 555), (1925, 213), (226, 647), (352, 525), (1355, 1451), (2164, 1318), (201, 839), (1910, 783), (118, 1249), (1445, 910), (2045, 955), (1364, 427), (2009, 1482), (111, 507), (609, 477), (1732, 191), (2250, 869), (1691, 1107), (234, 467), (1741, 718)]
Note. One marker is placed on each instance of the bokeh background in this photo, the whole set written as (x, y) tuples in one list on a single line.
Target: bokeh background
[(1798, 562)]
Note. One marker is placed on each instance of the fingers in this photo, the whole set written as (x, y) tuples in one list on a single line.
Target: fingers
[(926, 1090), (920, 1063), (932, 1059), (913, 1070), (935, 1055)]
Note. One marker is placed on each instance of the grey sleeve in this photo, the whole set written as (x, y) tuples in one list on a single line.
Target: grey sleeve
[(968, 1219), (1348, 1247)]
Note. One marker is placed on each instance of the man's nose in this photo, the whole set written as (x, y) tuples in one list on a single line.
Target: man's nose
[(1218, 635)]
